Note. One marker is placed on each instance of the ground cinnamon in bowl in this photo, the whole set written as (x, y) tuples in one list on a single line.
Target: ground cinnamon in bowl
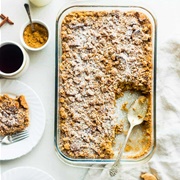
[(37, 38)]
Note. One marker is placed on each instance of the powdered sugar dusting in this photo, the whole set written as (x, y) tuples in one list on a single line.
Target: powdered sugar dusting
[(103, 54)]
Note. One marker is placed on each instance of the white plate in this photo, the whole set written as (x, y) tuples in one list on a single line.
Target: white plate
[(26, 173), (37, 119)]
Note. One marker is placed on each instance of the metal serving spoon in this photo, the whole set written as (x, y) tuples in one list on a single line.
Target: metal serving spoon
[(29, 15), (136, 114)]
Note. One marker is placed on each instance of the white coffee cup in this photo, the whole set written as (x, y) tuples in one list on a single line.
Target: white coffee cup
[(14, 60), (40, 3)]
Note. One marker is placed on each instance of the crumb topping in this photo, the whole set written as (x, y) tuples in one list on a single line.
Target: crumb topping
[(14, 114), (103, 54)]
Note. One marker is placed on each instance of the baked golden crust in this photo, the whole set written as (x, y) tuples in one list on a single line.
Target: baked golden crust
[(103, 54), (14, 114), (148, 176)]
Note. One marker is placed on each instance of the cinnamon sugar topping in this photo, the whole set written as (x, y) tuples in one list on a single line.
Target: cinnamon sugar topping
[(103, 54), (14, 114)]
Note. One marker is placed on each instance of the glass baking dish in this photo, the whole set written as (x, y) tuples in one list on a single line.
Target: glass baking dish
[(125, 160)]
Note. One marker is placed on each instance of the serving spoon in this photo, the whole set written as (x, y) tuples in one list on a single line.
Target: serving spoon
[(136, 114), (29, 15)]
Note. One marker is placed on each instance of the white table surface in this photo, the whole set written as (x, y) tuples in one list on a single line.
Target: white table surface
[(41, 74)]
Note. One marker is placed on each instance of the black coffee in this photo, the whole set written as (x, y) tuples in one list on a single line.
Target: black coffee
[(11, 58)]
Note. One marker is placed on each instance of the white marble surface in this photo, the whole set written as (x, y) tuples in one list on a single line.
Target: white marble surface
[(41, 73)]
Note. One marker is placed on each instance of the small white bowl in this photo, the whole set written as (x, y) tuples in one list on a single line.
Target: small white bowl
[(22, 32)]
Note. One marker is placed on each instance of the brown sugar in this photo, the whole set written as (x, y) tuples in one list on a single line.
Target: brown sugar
[(37, 38)]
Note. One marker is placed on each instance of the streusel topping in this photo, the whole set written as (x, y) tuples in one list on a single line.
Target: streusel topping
[(103, 54), (14, 114)]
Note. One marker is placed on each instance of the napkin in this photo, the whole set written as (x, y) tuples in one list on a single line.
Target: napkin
[(166, 160)]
